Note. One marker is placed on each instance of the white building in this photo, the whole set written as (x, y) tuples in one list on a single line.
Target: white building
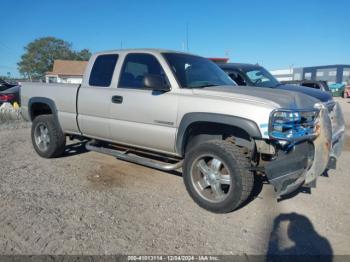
[(283, 74), (66, 71)]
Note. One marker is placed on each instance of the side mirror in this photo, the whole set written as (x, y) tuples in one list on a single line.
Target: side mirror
[(155, 82)]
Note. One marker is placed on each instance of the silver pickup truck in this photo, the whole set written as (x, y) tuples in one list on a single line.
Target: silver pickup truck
[(171, 110)]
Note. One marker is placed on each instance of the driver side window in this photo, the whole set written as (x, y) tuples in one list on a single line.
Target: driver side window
[(135, 67)]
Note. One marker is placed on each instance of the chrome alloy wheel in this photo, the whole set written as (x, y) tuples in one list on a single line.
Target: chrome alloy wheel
[(211, 178), (42, 138)]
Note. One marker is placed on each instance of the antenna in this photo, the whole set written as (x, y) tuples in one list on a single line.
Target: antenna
[(187, 48)]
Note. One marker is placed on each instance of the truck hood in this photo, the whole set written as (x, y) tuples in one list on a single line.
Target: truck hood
[(275, 98), (320, 95)]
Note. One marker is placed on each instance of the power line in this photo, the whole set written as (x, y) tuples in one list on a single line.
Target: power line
[(7, 67), (8, 48), (5, 45)]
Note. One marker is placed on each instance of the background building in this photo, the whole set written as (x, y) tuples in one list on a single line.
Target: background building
[(330, 73), (66, 71), (283, 74)]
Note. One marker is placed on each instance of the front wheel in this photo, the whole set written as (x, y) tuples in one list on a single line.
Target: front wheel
[(217, 176), (47, 137)]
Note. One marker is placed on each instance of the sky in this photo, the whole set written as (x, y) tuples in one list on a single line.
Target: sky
[(276, 34)]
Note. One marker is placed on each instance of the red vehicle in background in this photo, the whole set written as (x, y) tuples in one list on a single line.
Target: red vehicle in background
[(9, 93)]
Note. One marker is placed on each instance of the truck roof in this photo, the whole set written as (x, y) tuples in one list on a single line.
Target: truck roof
[(141, 50), (239, 66)]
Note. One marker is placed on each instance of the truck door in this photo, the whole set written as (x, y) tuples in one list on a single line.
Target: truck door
[(94, 98), (139, 116)]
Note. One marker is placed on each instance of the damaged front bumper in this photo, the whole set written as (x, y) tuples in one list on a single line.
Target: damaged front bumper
[(304, 161), (288, 170), (338, 134), (329, 143)]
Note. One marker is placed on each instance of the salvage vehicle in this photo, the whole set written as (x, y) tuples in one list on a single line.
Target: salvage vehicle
[(256, 75), (171, 110)]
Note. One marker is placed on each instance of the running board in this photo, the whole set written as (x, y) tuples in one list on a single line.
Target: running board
[(124, 155)]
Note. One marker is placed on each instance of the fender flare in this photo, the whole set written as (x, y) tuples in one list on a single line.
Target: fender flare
[(248, 125), (43, 100)]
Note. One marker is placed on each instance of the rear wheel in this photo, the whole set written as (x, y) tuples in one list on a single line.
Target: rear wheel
[(47, 137), (217, 176)]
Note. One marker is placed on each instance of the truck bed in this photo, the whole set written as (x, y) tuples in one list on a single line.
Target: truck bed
[(63, 95)]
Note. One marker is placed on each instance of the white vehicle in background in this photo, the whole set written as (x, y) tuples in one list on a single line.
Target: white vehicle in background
[(170, 110)]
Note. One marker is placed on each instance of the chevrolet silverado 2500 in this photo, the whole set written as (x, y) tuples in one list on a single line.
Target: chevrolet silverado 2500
[(171, 110)]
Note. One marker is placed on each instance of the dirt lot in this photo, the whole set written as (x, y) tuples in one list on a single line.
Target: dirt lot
[(87, 203)]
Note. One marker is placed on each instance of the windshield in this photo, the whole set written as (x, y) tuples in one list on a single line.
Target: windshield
[(196, 72), (261, 77)]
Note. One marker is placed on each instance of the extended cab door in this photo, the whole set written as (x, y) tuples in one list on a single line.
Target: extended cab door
[(94, 97), (142, 117)]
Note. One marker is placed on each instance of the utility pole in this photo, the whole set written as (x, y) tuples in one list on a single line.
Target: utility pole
[(183, 46), (187, 48)]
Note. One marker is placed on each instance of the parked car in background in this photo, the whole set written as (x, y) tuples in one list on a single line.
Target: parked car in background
[(321, 85), (256, 75), (5, 85), (10, 95), (337, 89)]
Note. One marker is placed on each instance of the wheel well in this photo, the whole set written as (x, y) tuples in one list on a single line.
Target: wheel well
[(38, 108), (199, 132)]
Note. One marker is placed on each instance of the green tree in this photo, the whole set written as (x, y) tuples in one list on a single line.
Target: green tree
[(40, 54), (83, 55)]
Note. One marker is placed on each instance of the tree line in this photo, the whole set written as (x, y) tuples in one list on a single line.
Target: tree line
[(40, 54)]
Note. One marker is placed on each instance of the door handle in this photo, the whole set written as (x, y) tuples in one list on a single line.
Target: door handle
[(117, 99)]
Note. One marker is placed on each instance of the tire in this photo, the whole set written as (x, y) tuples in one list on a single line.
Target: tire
[(234, 166), (55, 139)]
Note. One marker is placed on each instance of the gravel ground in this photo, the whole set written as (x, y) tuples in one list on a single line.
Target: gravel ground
[(88, 203)]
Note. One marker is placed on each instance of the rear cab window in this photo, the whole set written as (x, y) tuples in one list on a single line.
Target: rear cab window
[(102, 70)]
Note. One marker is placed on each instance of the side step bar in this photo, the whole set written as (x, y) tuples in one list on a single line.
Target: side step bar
[(124, 155)]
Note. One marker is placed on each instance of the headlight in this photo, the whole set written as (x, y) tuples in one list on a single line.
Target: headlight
[(292, 125)]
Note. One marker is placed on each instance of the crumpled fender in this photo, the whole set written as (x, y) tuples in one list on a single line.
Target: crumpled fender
[(322, 145), (338, 135)]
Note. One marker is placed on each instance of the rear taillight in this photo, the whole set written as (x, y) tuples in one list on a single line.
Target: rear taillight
[(6, 97)]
